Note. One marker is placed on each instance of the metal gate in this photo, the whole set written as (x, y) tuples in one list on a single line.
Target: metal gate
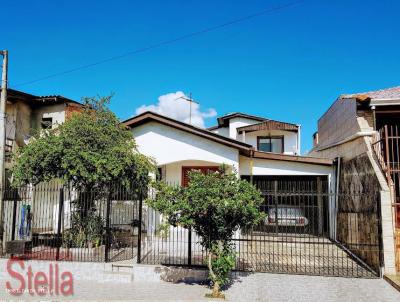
[(306, 231), (52, 222)]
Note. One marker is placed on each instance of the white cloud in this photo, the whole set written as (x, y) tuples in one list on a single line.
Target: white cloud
[(173, 106)]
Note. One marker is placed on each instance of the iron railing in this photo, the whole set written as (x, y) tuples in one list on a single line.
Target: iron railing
[(386, 144), (54, 222), (307, 231)]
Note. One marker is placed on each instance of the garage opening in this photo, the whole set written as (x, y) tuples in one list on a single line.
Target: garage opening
[(306, 231)]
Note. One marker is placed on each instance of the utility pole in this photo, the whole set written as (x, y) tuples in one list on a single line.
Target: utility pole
[(3, 101), (190, 100)]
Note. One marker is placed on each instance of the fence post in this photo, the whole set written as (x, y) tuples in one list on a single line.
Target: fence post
[(320, 206), (387, 151), (59, 221), (189, 246), (139, 245), (14, 215), (276, 205), (108, 233)]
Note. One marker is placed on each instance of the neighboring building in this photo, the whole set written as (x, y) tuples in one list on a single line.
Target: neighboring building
[(27, 113), (363, 130), (252, 146)]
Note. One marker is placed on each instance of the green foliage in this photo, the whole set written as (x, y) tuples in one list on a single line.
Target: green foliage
[(222, 263), (86, 230), (90, 149), (215, 205)]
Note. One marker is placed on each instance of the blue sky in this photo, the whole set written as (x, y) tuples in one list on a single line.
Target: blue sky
[(288, 65)]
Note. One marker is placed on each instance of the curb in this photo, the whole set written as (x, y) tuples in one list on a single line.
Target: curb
[(392, 283)]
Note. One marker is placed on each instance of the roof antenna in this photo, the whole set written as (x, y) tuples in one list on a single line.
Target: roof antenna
[(190, 100)]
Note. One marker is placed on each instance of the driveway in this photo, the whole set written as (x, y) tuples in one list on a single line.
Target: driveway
[(254, 287)]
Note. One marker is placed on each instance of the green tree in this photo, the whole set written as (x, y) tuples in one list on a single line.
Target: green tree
[(214, 205), (92, 151)]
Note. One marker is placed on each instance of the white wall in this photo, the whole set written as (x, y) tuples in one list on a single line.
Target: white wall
[(237, 122), (279, 167), (56, 112), (224, 131), (167, 145), (290, 139)]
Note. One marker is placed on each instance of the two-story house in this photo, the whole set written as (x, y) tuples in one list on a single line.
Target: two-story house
[(254, 147)]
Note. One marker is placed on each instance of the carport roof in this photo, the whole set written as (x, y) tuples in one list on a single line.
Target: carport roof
[(292, 158)]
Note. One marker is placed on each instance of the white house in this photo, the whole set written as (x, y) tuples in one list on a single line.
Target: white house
[(253, 146)]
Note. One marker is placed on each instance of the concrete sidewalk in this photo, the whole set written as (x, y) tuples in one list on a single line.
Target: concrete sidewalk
[(255, 287)]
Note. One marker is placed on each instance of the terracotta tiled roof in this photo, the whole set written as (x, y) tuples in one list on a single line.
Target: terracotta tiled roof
[(388, 93)]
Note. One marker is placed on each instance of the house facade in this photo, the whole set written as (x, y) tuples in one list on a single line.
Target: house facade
[(251, 146), (27, 113), (361, 131)]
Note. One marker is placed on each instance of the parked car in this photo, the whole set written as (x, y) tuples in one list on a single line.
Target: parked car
[(286, 216)]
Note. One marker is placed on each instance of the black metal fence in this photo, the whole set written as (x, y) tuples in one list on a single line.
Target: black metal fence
[(53, 222), (306, 231)]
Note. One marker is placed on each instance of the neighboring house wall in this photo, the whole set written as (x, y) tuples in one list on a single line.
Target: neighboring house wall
[(345, 132), (56, 112), (17, 127), (167, 145), (23, 123), (346, 150), (338, 123)]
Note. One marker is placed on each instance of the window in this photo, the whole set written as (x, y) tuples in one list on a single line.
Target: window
[(47, 122), (270, 144)]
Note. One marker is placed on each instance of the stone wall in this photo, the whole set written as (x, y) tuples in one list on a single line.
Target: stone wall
[(358, 223)]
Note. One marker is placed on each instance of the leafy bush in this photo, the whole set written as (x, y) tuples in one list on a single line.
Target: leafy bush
[(85, 231), (214, 205)]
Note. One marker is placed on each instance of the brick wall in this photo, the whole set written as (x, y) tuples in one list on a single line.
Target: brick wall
[(338, 123)]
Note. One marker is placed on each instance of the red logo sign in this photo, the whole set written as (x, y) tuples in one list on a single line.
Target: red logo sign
[(41, 283)]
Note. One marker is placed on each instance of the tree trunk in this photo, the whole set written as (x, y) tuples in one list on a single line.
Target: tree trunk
[(216, 293)]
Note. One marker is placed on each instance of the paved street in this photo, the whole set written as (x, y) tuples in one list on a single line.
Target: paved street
[(255, 287)]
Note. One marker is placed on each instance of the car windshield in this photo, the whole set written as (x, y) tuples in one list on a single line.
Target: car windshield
[(286, 211)]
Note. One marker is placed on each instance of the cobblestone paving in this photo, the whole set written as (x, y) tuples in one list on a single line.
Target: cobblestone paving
[(254, 287)]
